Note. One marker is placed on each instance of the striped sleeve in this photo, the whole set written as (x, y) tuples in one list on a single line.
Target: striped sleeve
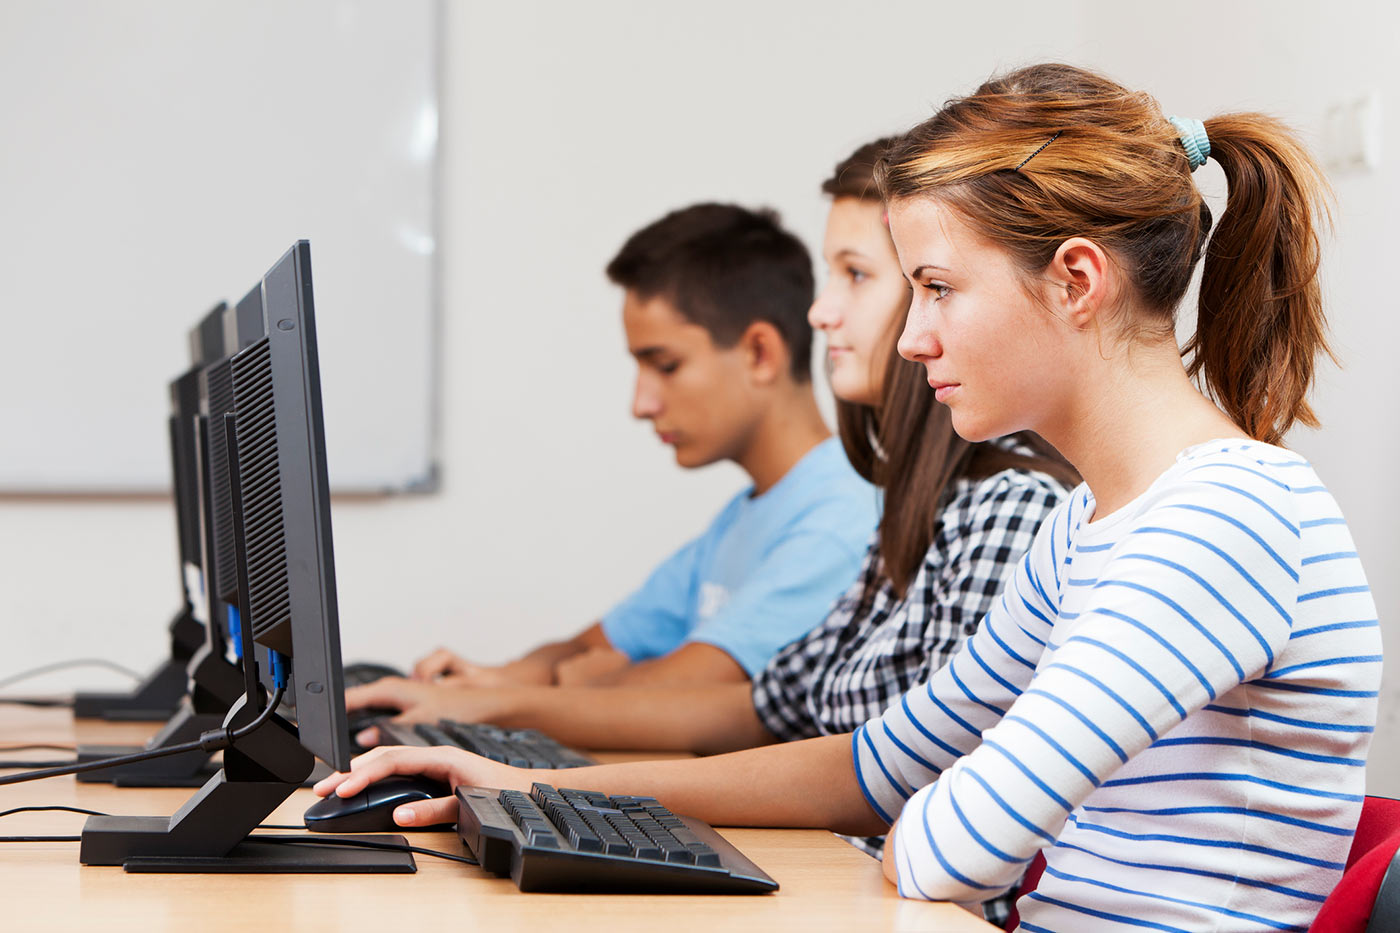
[(936, 722), (1196, 596)]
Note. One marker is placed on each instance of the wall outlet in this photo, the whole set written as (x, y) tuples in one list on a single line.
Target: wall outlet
[(1351, 135)]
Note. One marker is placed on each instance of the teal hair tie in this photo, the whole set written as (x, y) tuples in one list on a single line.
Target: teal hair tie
[(1193, 139)]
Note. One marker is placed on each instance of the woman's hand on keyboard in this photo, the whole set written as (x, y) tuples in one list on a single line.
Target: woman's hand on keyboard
[(413, 700), (440, 663), (444, 666), (420, 702), (451, 766)]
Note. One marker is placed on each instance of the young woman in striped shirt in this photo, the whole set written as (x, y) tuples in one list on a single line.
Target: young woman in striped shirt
[(1174, 697)]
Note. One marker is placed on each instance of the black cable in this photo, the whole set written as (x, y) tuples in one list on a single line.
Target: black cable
[(43, 702), (56, 807), (212, 741), (47, 838), (64, 665), (36, 748), (84, 810), (366, 844), (7, 765)]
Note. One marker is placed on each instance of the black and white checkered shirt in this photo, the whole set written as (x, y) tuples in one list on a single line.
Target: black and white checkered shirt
[(874, 646)]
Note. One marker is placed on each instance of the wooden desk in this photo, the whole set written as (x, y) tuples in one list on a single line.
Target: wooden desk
[(825, 883)]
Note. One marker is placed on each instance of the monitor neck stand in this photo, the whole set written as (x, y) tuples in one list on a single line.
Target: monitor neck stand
[(215, 686), (210, 832), (156, 697)]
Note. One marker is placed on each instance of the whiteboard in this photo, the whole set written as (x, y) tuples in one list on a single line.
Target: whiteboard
[(158, 157)]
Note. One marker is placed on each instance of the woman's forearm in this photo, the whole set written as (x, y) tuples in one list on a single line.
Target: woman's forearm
[(811, 783)]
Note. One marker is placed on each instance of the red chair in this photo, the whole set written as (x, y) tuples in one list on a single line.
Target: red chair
[(1028, 883), (1366, 900)]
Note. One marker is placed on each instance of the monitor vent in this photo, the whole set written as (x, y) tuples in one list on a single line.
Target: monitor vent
[(218, 389), (260, 485)]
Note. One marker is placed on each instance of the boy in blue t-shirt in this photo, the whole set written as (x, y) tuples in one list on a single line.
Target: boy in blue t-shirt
[(715, 312)]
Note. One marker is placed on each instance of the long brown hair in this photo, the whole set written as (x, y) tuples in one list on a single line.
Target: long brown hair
[(1106, 164), (907, 446)]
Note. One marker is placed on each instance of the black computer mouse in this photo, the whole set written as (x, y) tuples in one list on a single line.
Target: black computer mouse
[(372, 809)]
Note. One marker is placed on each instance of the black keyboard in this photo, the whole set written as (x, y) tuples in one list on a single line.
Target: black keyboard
[(520, 748), (578, 840)]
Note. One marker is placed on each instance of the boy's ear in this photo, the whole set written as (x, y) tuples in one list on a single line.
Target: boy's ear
[(765, 351)]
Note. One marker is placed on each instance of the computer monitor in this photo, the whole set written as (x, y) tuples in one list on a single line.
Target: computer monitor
[(158, 695), (209, 681), (286, 604)]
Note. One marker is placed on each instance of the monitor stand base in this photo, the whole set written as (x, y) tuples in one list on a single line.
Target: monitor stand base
[(156, 697), (210, 832), (290, 855)]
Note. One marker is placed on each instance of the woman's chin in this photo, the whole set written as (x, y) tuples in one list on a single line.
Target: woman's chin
[(849, 388), (975, 430)]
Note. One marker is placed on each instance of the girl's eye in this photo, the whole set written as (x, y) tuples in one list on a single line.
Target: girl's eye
[(857, 275), (941, 291)]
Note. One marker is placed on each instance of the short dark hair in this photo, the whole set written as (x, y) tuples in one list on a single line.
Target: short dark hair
[(725, 267)]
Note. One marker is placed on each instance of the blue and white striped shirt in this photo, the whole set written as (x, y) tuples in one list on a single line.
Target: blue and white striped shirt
[(1174, 701)]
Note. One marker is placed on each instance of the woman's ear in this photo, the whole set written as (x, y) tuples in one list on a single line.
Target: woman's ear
[(1081, 282), (765, 351)]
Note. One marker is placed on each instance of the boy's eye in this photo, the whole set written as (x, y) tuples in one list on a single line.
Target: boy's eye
[(668, 367)]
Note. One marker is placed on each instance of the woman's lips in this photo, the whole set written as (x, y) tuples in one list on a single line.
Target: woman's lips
[(942, 390)]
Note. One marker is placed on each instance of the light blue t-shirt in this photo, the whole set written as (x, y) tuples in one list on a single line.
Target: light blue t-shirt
[(763, 574)]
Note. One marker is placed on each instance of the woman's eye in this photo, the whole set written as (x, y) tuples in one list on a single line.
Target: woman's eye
[(857, 275), (668, 368), (940, 290)]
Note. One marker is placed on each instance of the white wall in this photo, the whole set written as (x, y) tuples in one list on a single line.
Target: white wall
[(566, 126), (1294, 59)]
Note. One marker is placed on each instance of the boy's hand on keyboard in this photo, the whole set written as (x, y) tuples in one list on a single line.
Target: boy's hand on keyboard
[(451, 766)]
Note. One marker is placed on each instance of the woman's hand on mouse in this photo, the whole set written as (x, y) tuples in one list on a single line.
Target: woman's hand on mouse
[(452, 766)]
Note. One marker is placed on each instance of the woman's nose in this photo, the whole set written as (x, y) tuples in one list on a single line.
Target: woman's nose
[(918, 341)]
